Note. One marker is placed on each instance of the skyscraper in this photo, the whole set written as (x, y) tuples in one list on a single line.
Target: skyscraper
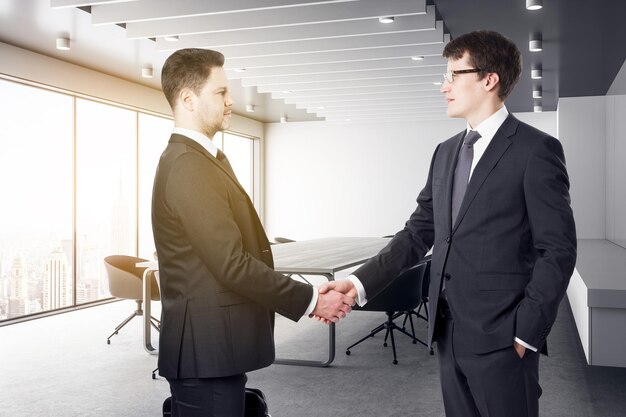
[(57, 281), (18, 299)]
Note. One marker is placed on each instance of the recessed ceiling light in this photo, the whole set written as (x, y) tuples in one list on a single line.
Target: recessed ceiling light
[(250, 108), (386, 19), (534, 4), (535, 44), (63, 44), (437, 83), (417, 58), (537, 92), (146, 71), (240, 70), (536, 73), (171, 38), (287, 91), (283, 119), (538, 108), (321, 107)]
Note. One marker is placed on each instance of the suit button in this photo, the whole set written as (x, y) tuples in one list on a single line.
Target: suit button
[(447, 276), (448, 239)]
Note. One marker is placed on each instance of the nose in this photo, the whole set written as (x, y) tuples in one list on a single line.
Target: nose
[(445, 87), (228, 100)]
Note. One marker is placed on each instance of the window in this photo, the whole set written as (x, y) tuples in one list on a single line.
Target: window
[(76, 180), (154, 133), (240, 153), (106, 190), (36, 184)]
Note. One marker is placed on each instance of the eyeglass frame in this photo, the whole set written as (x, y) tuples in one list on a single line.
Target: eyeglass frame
[(452, 73)]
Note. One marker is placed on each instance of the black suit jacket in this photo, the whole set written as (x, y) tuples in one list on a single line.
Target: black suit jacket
[(508, 259), (218, 289)]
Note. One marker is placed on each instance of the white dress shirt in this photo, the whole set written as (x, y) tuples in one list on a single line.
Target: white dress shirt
[(487, 130), (207, 144)]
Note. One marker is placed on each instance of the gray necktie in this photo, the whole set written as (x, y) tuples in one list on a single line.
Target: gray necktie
[(462, 172)]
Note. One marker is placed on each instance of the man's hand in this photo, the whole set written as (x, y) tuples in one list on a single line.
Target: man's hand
[(331, 306), (343, 285), (521, 350)]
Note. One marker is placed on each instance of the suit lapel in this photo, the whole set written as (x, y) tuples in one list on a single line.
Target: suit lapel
[(195, 145), (497, 147)]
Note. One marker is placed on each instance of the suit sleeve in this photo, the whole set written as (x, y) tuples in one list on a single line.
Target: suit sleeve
[(546, 190), (202, 204), (406, 248)]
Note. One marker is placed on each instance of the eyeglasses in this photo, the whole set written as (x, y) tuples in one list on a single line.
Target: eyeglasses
[(449, 76)]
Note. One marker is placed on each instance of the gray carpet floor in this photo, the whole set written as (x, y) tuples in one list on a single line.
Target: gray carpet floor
[(62, 366)]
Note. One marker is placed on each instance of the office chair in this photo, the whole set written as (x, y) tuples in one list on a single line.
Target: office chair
[(125, 281), (408, 315), (404, 294), (283, 240)]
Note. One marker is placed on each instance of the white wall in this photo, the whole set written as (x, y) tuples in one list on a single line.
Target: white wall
[(325, 179), (615, 157), (582, 130)]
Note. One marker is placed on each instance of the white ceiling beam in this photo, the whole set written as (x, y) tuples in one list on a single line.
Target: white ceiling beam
[(151, 10), (335, 44), (362, 9), (314, 59), (364, 97), (63, 4), (325, 30), (390, 118), (394, 105), (437, 63), (382, 110), (357, 104), (345, 76), (356, 92), (359, 84)]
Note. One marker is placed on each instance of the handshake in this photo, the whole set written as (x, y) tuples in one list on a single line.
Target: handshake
[(335, 301)]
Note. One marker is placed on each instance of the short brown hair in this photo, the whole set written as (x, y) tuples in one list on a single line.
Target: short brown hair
[(491, 52), (190, 68)]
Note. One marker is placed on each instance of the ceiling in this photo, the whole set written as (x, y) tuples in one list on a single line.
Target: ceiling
[(329, 59)]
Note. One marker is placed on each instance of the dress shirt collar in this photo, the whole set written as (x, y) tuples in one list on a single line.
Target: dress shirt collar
[(488, 128), (203, 140)]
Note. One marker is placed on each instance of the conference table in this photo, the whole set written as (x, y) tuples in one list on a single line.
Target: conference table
[(321, 257), (324, 257)]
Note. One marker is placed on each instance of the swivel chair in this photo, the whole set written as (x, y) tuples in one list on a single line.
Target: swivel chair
[(404, 294), (125, 281), (408, 315), (279, 239)]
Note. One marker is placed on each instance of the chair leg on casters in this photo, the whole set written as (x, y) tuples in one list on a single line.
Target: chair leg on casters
[(118, 328)]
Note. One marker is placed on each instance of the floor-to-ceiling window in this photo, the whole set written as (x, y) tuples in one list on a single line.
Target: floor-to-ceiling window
[(76, 184), (36, 193)]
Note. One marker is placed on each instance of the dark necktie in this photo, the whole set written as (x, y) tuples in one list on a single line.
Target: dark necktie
[(222, 158), (462, 172)]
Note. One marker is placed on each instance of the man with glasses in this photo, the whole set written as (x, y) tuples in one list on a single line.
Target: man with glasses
[(496, 212)]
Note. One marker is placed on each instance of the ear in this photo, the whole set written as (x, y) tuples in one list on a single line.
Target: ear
[(491, 81), (187, 99)]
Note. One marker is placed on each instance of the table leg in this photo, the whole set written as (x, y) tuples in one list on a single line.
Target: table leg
[(147, 299), (331, 347)]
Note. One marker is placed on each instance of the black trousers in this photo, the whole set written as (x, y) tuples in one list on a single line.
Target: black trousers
[(495, 384), (208, 397)]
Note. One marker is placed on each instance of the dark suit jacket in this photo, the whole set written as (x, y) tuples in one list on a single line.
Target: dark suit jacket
[(508, 259), (218, 289)]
